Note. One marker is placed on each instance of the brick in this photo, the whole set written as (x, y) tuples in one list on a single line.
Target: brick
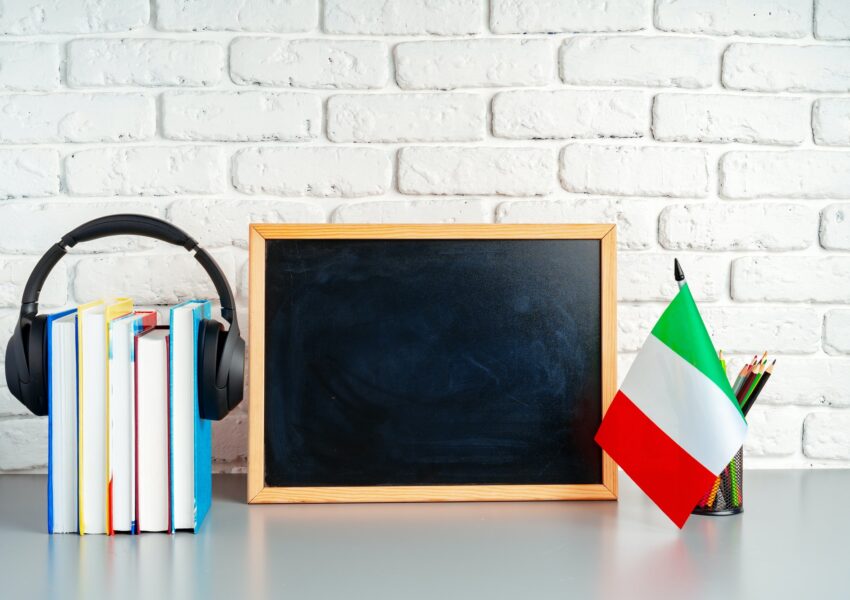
[(782, 330), (227, 15), (459, 210), (56, 218), (734, 329), (29, 66), (320, 64), (737, 226), (457, 170), (407, 118), (9, 405), (832, 20), (565, 114), (836, 331), (786, 68), (165, 278), (645, 277), (147, 62), (28, 172), (403, 17), (241, 116), (14, 272), (23, 444), (725, 118), (827, 435), (553, 16), (635, 170), (791, 279), (225, 222), (75, 117), (323, 172), (773, 18), (831, 121), (636, 220), (663, 61), (835, 227), (8, 320), (785, 174), (773, 431), (454, 64), (634, 323), (33, 17), (821, 381), (146, 170)]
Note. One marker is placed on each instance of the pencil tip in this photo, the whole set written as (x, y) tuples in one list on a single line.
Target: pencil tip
[(678, 273)]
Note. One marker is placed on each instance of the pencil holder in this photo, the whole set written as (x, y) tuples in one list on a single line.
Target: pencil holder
[(726, 497)]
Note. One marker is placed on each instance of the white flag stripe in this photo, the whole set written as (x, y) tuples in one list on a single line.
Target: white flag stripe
[(685, 404)]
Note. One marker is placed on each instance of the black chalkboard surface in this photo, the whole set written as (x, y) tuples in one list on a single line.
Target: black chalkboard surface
[(419, 363)]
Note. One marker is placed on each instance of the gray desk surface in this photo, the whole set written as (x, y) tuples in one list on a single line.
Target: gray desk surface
[(793, 541)]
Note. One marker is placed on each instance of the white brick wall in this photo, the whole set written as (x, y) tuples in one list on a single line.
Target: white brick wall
[(717, 131)]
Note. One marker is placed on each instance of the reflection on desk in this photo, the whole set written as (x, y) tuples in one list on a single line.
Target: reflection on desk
[(791, 542)]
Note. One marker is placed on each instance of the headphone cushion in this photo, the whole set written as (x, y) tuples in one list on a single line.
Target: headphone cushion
[(212, 402), (16, 364), (236, 378), (26, 365)]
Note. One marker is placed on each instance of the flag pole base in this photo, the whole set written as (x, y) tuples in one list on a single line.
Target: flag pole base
[(717, 513)]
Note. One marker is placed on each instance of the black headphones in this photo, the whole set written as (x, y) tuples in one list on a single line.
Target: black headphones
[(221, 354)]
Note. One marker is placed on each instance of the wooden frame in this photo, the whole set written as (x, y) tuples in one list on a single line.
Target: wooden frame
[(259, 493)]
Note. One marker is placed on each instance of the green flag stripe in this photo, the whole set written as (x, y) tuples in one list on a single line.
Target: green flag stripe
[(681, 329)]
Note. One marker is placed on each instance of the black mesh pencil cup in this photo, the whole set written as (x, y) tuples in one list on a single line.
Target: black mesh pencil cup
[(726, 496)]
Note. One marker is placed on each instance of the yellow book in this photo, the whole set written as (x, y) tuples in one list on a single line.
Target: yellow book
[(93, 422)]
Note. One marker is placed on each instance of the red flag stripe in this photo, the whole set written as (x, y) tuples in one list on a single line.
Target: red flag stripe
[(671, 477)]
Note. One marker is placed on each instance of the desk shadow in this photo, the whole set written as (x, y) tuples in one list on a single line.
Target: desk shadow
[(230, 488)]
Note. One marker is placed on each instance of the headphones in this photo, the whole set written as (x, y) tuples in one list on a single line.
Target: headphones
[(221, 354)]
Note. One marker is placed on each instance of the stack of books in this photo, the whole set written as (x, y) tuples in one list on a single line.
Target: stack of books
[(128, 451)]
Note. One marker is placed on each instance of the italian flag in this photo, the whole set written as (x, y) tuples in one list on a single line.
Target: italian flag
[(674, 424)]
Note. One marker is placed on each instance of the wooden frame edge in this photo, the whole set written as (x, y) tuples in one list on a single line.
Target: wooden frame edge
[(608, 251), (259, 493), (256, 369)]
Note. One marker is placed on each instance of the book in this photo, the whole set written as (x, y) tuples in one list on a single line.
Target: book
[(62, 422), (152, 439), (91, 369), (191, 436), (117, 308), (122, 332), (93, 415)]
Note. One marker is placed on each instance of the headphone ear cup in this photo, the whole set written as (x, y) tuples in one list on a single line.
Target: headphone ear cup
[(16, 364), (26, 368), (236, 377), (212, 399)]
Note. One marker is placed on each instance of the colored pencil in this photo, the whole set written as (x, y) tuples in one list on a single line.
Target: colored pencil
[(722, 361), (740, 377), (762, 382), (756, 379), (746, 383), (744, 373), (713, 494), (734, 483)]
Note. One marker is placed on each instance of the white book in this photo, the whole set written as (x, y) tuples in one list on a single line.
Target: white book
[(62, 410), (91, 324), (190, 437), (152, 452)]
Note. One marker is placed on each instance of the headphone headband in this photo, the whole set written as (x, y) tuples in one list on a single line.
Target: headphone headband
[(141, 225)]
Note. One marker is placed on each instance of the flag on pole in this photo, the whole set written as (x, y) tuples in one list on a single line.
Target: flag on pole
[(674, 424)]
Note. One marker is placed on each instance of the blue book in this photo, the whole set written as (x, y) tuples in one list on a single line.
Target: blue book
[(62, 513), (191, 436)]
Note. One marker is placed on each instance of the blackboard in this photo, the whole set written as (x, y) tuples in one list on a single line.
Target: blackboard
[(415, 367)]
